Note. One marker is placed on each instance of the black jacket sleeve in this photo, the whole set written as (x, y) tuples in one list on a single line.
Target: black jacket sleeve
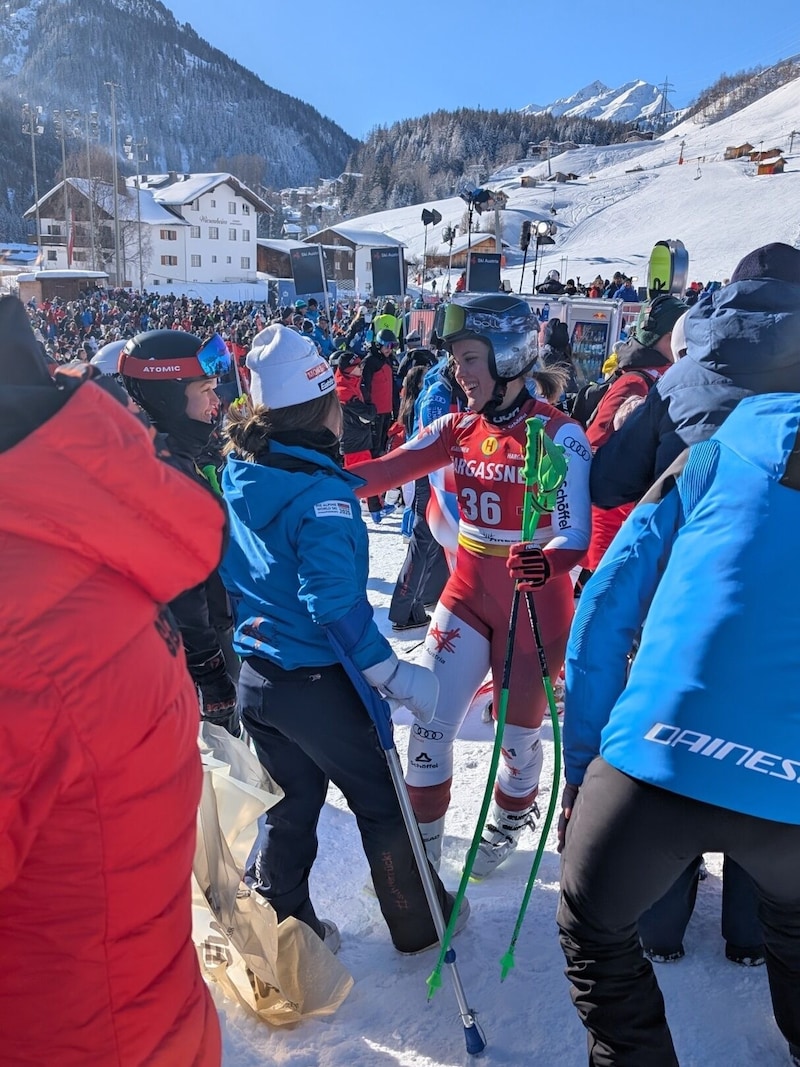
[(624, 468)]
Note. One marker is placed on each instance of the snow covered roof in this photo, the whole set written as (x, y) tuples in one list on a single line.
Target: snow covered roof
[(176, 190), (366, 238), (465, 241), (38, 275), (279, 245), (12, 254), (152, 213)]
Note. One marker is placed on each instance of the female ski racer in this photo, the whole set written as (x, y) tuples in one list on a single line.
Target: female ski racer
[(492, 340)]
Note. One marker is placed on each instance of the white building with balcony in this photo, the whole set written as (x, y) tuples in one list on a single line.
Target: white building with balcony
[(174, 230), (214, 240)]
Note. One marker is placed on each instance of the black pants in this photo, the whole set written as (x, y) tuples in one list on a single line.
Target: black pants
[(425, 571), (308, 727), (627, 842), (662, 927), (380, 436)]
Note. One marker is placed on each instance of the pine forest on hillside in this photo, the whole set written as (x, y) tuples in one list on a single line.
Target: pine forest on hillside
[(433, 156)]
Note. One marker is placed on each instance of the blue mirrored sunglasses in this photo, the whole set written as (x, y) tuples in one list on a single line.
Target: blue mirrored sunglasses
[(214, 357)]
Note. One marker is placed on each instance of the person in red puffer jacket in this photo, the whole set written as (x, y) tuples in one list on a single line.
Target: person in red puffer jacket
[(100, 774), (641, 361)]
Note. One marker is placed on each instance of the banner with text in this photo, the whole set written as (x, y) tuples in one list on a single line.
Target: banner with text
[(308, 270), (483, 272), (388, 272)]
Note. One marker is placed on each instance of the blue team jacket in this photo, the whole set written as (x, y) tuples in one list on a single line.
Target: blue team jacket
[(298, 559), (711, 709)]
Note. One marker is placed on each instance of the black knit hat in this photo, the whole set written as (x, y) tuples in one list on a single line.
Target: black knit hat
[(777, 261)]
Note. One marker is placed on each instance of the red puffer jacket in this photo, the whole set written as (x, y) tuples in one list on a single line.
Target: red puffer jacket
[(99, 769)]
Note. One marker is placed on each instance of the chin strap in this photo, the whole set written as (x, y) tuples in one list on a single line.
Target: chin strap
[(496, 399)]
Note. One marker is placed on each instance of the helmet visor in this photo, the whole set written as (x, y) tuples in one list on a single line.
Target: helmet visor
[(214, 357), (460, 320)]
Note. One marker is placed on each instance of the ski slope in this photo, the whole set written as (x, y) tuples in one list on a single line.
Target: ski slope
[(629, 196), (720, 1013)]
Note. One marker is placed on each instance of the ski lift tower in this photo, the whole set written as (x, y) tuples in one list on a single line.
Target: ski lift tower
[(664, 108)]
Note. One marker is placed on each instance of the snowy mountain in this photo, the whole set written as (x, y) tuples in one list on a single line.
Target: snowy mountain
[(628, 196), (191, 101), (632, 102)]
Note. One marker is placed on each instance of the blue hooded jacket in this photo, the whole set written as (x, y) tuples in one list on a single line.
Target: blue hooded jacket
[(435, 398), (743, 339), (298, 559), (710, 709)]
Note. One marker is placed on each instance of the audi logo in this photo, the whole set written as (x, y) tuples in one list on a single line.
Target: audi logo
[(428, 735)]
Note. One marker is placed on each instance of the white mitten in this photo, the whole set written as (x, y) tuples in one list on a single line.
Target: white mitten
[(406, 683)]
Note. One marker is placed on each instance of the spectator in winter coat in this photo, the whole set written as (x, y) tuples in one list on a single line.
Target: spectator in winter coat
[(298, 565), (626, 292), (424, 572), (611, 287), (742, 340), (673, 761), (551, 286), (173, 377), (99, 769), (641, 361), (377, 385), (357, 414), (390, 320), (556, 351)]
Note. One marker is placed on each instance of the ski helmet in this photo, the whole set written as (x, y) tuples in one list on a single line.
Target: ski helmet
[(107, 358), (505, 323), (156, 367), (386, 337)]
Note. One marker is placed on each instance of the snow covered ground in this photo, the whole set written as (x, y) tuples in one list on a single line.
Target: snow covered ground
[(720, 1013), (629, 196)]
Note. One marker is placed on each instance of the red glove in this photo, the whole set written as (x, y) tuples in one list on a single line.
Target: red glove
[(528, 566)]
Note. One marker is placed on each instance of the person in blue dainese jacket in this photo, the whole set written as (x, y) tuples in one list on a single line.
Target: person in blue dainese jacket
[(741, 340), (687, 755), (298, 564)]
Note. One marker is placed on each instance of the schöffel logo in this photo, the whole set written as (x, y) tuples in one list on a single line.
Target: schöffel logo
[(699, 744)]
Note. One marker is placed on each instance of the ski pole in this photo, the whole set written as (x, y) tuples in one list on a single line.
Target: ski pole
[(507, 960), (378, 711), (542, 462), (545, 469)]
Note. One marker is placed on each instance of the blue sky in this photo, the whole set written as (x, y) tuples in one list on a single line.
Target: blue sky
[(370, 63)]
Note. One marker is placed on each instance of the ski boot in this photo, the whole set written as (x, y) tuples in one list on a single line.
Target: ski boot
[(501, 837), (432, 834)]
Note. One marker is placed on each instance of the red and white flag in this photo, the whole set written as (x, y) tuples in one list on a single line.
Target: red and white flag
[(71, 237)]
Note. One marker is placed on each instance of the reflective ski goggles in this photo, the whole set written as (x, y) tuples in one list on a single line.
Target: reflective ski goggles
[(214, 357), (460, 320), (211, 360)]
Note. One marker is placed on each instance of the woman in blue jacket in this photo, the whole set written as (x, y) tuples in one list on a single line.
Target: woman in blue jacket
[(297, 564), (685, 756)]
